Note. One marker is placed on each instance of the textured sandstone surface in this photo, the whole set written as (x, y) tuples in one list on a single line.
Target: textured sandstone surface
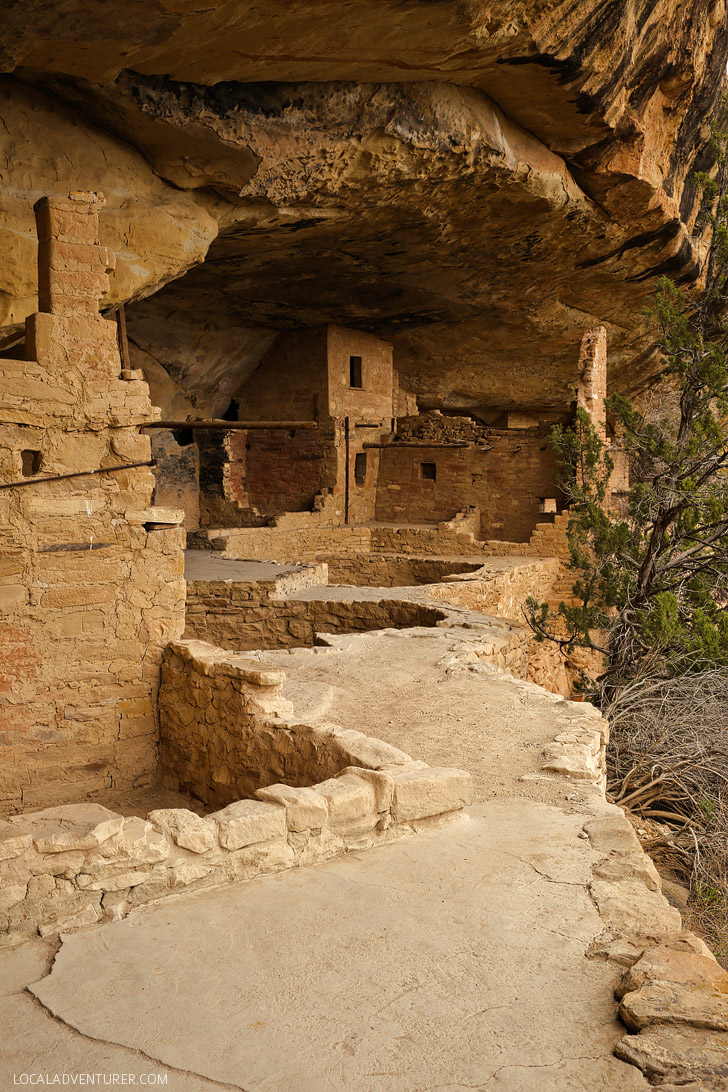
[(478, 182), (477, 955)]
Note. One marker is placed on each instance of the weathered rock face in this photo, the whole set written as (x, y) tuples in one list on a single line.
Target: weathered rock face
[(478, 182)]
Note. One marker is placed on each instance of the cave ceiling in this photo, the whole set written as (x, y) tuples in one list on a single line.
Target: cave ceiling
[(478, 182)]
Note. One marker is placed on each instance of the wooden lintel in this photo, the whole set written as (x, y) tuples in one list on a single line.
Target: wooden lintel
[(422, 444)]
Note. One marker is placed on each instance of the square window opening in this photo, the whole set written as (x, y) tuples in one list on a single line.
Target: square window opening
[(360, 468), (355, 372), (29, 463), (428, 472)]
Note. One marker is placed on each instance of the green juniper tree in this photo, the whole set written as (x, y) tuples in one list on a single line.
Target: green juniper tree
[(651, 581)]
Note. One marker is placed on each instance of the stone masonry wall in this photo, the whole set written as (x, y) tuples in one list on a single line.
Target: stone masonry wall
[(284, 470), (500, 592), (226, 733), (393, 570), (301, 537), (89, 596), (243, 616), (505, 473)]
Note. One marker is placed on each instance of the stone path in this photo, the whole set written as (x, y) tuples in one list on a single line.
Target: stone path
[(456, 959)]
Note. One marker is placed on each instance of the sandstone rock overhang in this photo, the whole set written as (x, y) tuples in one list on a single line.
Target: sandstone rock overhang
[(478, 184)]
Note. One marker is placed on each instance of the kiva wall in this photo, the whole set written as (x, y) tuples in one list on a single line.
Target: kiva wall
[(88, 595)]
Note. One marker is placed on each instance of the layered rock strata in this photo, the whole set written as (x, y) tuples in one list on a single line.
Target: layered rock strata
[(478, 182)]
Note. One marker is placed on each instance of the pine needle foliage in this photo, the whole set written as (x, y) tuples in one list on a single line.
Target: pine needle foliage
[(651, 580)]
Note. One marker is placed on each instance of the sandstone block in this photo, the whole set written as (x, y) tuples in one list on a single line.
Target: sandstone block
[(351, 800), (70, 826), (382, 783), (248, 821), (432, 791), (188, 872), (667, 1003), (684, 968), (686, 1056), (373, 753), (634, 867), (14, 840), (137, 842), (11, 597), (267, 857), (12, 894), (119, 881), (629, 906), (305, 808), (87, 915), (613, 834), (185, 829)]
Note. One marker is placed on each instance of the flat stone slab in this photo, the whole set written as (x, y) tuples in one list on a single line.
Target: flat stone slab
[(69, 826), (454, 960)]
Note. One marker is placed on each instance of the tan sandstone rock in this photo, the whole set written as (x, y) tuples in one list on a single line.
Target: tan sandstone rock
[(248, 821), (70, 826), (305, 808), (185, 829), (432, 791), (14, 840)]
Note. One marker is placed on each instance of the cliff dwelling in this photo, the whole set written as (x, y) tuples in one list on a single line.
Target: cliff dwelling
[(292, 300)]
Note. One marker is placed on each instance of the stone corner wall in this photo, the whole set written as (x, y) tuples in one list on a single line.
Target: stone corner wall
[(227, 732), (89, 593), (317, 791)]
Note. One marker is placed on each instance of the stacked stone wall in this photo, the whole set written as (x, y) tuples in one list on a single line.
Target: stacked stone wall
[(505, 473), (280, 471), (318, 791), (89, 594), (244, 617), (501, 592), (393, 570)]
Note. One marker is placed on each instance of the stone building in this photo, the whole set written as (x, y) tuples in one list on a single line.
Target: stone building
[(91, 583), (351, 448), (101, 701), (339, 380)]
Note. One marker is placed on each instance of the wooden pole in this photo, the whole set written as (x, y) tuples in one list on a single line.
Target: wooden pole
[(75, 474), (424, 445), (217, 425), (123, 339), (347, 445)]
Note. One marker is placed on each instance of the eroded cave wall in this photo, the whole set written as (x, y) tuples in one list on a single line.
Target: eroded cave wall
[(476, 183)]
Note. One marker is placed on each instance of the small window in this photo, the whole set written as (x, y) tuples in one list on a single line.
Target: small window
[(30, 463), (360, 468), (428, 472), (355, 375)]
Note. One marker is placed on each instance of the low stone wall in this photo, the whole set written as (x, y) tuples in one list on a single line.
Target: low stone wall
[(319, 791), (393, 570), (299, 539), (231, 616), (500, 591)]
